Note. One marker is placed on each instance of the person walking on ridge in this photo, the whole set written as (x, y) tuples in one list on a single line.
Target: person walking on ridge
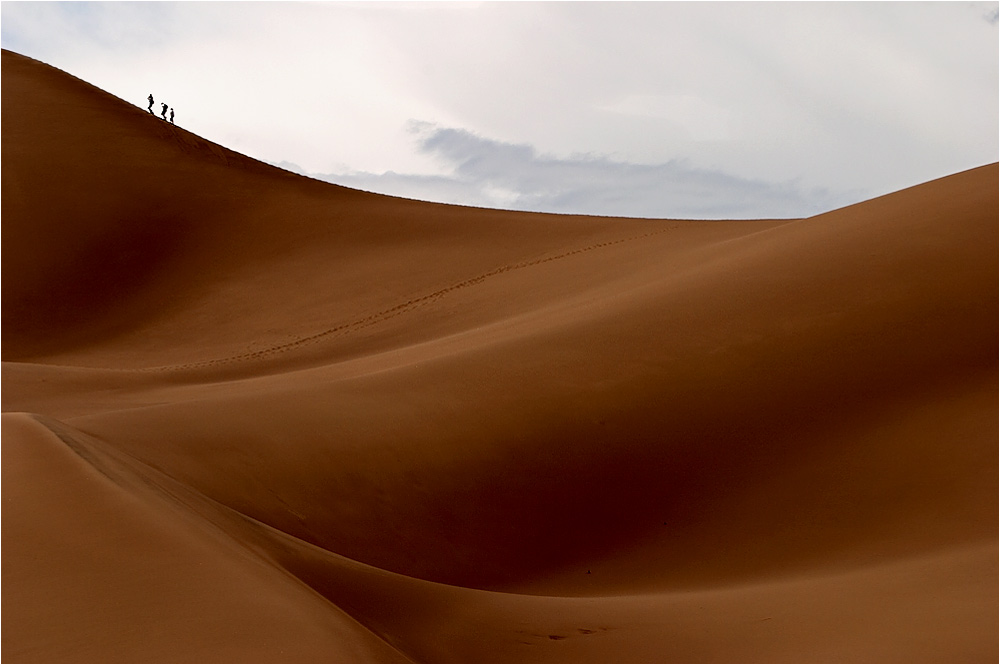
[(163, 111), (171, 115), (150, 109)]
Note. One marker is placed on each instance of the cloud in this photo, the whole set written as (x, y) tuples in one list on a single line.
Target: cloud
[(779, 97), (491, 173)]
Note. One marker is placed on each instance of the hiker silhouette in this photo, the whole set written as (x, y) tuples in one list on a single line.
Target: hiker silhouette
[(163, 111), (171, 116), (150, 109)]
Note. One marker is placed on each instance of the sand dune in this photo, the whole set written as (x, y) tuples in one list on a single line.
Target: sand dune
[(249, 416)]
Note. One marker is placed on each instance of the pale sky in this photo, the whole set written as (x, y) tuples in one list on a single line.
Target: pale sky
[(650, 109)]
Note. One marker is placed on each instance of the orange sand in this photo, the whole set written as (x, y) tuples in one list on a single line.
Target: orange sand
[(249, 416)]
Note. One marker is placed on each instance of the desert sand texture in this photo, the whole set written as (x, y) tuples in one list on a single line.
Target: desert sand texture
[(249, 416)]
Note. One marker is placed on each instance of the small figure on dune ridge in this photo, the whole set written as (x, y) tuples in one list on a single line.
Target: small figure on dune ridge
[(163, 109)]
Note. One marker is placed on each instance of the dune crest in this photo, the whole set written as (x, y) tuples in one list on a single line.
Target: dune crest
[(249, 416)]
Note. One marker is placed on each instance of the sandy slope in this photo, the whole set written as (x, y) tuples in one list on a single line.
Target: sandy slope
[(251, 416)]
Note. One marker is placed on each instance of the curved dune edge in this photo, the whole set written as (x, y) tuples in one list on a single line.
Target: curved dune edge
[(137, 577), (215, 572), (254, 417)]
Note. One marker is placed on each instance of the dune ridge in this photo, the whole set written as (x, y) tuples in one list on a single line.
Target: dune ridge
[(249, 416)]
